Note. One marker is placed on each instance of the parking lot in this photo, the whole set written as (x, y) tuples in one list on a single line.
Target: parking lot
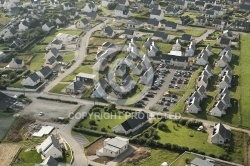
[(166, 79)]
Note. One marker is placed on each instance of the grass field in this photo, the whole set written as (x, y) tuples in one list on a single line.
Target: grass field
[(244, 80), (94, 41), (83, 69), (17, 84), (182, 159), (29, 157), (175, 134), (164, 47), (58, 88), (4, 19), (37, 62), (68, 56), (191, 15), (173, 19), (6, 121), (195, 32), (38, 48)]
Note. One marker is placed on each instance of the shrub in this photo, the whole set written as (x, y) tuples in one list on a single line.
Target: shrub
[(96, 110), (187, 160), (162, 126), (103, 129), (92, 122), (112, 106)]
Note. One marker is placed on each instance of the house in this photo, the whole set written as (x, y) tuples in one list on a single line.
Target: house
[(202, 59), (17, 44), (221, 134), (186, 38), (100, 87), (147, 77), (68, 6), (50, 61), (134, 123), (93, 16), (35, 2), (154, 6), (86, 78), (9, 32), (200, 20), (32, 80), (218, 109), (242, 25), (128, 85), (181, 4), (185, 20), (224, 82), (170, 26), (121, 69), (210, 14), (82, 23), (55, 3), (157, 14), (173, 60), (108, 54), (202, 91), (40, 9), (209, 50), (229, 35), (13, 11), (134, 24), (201, 5), (147, 2), (122, 11), (23, 26), (209, 70), (202, 80), (170, 10), (61, 20), (152, 50), (193, 95), (123, 2), (190, 50), (16, 64), (105, 3), (49, 161), (56, 43), (100, 65), (160, 36), (218, 24), (201, 162), (228, 55), (225, 71), (48, 26), (193, 107), (45, 72), (138, 69), (50, 147), (223, 61), (89, 7), (52, 52), (223, 92), (6, 102), (108, 32), (218, 11), (244, 7), (191, 2), (153, 24), (223, 42), (113, 147), (225, 98), (75, 87), (129, 62), (129, 33)]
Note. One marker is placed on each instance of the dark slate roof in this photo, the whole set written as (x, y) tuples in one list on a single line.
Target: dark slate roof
[(122, 2), (62, 18), (129, 32), (50, 161), (217, 22), (135, 120), (217, 8), (46, 70), (54, 51), (108, 30), (56, 41), (69, 4), (13, 31), (77, 85), (180, 2), (170, 9), (154, 6), (201, 89), (17, 43), (134, 22), (107, 44), (186, 37), (210, 12), (92, 15), (148, 2), (153, 22), (228, 33), (225, 41), (200, 162), (162, 35), (51, 60), (91, 5), (124, 9), (171, 57), (34, 77), (156, 12), (6, 101), (18, 61), (225, 133), (85, 21), (170, 24), (25, 23), (50, 24), (245, 7), (199, 3)]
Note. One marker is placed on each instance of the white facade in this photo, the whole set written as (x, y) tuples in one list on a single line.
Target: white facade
[(119, 13), (105, 3), (46, 28), (29, 82), (22, 27), (89, 8)]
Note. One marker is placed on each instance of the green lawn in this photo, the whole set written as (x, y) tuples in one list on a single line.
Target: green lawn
[(191, 15), (83, 69), (29, 157), (244, 80), (157, 157), (195, 32), (181, 161), (104, 119), (164, 47), (17, 84), (4, 19), (68, 56), (89, 137), (58, 88), (173, 19), (99, 41), (38, 48), (176, 133), (37, 62)]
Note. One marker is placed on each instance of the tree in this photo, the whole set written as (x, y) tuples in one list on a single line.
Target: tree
[(112, 106), (111, 6), (92, 122), (103, 129), (162, 126)]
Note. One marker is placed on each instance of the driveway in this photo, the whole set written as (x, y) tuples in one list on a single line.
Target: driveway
[(204, 36)]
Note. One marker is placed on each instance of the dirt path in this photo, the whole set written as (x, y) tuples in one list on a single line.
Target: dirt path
[(7, 152)]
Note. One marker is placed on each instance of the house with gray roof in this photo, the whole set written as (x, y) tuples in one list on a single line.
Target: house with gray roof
[(147, 2), (201, 162), (202, 91), (200, 20), (223, 42), (82, 23), (45, 72), (190, 50), (89, 7), (170, 10), (209, 70), (68, 6), (221, 134), (225, 98), (50, 147), (210, 14), (49, 161), (48, 26), (123, 2), (152, 50), (160, 36), (209, 50), (223, 92), (138, 69), (17, 44), (229, 34), (129, 33), (108, 32), (218, 11), (55, 3), (157, 14), (122, 11), (134, 24), (186, 38), (224, 82), (32, 80), (218, 24), (153, 24), (147, 77), (202, 80), (100, 65), (222, 62), (121, 69), (75, 87), (16, 64), (218, 109), (202, 59), (244, 7), (6, 102), (193, 106), (196, 95), (93, 16), (201, 5)]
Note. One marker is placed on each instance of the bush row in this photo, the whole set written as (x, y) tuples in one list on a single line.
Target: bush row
[(58, 100)]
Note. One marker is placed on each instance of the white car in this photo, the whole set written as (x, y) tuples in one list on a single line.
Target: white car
[(41, 114)]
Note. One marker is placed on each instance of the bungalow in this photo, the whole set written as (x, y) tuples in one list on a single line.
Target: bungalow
[(75, 87), (135, 24), (61, 20), (190, 50), (52, 52), (122, 11), (82, 23), (170, 26), (123, 2), (138, 69), (23, 26), (50, 147), (223, 42), (202, 80), (210, 14), (44, 73), (225, 98), (129, 33), (153, 24), (202, 59), (160, 36), (225, 82), (193, 107), (157, 14), (93, 16), (170, 10), (218, 11), (100, 65), (50, 61), (16, 64), (56, 43), (186, 38), (202, 91), (68, 6), (200, 20), (221, 134), (48, 26), (32, 80), (218, 109), (229, 35), (99, 90), (9, 33), (105, 3), (147, 77), (218, 24), (223, 61), (134, 123), (153, 50), (89, 7), (113, 147), (108, 32), (17, 44)]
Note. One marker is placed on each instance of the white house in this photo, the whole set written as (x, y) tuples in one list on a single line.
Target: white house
[(190, 50), (52, 52), (147, 77), (48, 26), (153, 50), (193, 95), (121, 69), (23, 26), (129, 33), (202, 91), (222, 62), (223, 92), (160, 36), (123, 2), (32, 80), (225, 98), (218, 109), (44, 73), (202, 80), (89, 7), (135, 122), (202, 59), (221, 134), (100, 65), (105, 3), (113, 147), (157, 14), (193, 106), (49, 161), (224, 82), (16, 64), (122, 11), (56, 43), (68, 6), (218, 11), (50, 147), (138, 69), (209, 50), (82, 23), (9, 33)]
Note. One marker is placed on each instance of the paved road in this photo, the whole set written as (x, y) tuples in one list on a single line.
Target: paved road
[(205, 35), (80, 55)]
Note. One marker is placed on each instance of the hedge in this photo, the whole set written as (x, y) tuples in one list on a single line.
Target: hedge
[(58, 100)]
